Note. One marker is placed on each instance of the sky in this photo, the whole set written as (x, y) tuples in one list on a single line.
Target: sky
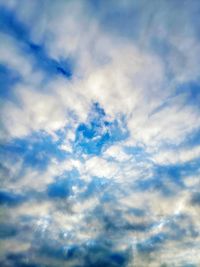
[(100, 133)]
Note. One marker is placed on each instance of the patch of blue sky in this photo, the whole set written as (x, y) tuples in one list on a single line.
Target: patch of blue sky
[(190, 93), (162, 48), (63, 67), (36, 150), (191, 90), (98, 132), (63, 185), (10, 199), (138, 152), (134, 150), (97, 186), (118, 20), (193, 139), (108, 197), (164, 175), (10, 25), (8, 79)]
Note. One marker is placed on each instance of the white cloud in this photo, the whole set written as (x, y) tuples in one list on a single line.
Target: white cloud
[(100, 167), (174, 156), (117, 153)]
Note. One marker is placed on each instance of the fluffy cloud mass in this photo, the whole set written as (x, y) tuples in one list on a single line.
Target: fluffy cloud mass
[(100, 133)]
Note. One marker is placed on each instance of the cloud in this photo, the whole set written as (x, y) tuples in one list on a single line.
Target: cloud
[(100, 133), (7, 230)]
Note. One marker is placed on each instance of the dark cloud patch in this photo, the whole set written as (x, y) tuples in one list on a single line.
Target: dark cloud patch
[(24, 259), (106, 258), (180, 228), (176, 228), (101, 250), (91, 254), (195, 199), (4, 171), (115, 223), (52, 249), (8, 230), (137, 212), (152, 244)]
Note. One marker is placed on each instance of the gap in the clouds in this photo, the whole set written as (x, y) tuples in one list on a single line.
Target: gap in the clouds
[(63, 185), (10, 199), (71, 184), (8, 79), (36, 150), (10, 25), (189, 94), (92, 137), (163, 49), (191, 90), (193, 139), (168, 179), (63, 67), (96, 186), (98, 133), (116, 19)]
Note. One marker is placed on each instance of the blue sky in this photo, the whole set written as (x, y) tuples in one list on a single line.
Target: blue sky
[(100, 133)]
